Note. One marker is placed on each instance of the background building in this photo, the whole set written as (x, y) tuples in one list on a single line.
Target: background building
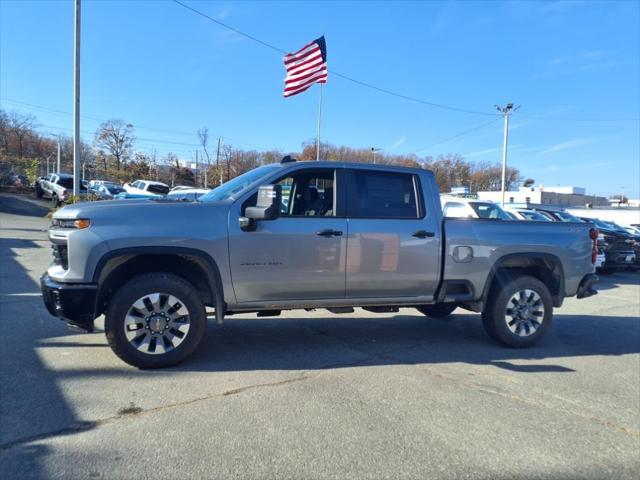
[(565, 196)]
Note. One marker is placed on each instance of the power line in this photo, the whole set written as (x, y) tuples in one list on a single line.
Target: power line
[(142, 127), (461, 134), (384, 90), (337, 74)]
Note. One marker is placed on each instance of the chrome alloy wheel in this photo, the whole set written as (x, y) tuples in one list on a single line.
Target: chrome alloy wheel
[(524, 313), (157, 323)]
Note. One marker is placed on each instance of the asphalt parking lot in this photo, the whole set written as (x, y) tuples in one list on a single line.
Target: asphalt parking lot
[(317, 395)]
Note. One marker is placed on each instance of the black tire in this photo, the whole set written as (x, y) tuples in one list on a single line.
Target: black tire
[(54, 200), (121, 304), (498, 322), (437, 311), (38, 191)]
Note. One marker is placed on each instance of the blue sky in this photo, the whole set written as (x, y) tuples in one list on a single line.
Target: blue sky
[(572, 66)]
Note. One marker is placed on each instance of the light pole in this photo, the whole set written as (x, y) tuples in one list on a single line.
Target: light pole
[(57, 135), (505, 111), (76, 101), (373, 152)]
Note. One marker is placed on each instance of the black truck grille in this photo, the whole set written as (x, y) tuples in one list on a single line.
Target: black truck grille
[(60, 255)]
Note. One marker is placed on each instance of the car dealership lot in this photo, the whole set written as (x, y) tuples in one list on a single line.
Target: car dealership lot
[(317, 395)]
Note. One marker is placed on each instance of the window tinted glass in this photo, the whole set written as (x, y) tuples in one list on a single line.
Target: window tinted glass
[(114, 189), (161, 189), (383, 195)]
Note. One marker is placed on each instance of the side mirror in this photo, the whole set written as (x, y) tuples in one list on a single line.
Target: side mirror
[(268, 204)]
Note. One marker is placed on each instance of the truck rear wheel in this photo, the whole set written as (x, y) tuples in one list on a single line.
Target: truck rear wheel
[(437, 311), (518, 311), (155, 320)]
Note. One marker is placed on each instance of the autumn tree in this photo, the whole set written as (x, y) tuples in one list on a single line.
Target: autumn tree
[(115, 137)]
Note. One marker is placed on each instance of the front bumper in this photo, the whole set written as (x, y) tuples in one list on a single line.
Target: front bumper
[(586, 286), (73, 302), (620, 258)]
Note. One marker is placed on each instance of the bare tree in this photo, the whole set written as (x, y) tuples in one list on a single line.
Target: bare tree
[(116, 137), (203, 135)]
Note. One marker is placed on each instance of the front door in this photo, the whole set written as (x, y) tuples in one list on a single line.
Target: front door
[(300, 255)]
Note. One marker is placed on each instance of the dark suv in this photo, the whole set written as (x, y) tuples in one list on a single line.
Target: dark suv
[(620, 248)]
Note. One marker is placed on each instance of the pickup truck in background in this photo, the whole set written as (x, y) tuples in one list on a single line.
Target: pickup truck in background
[(146, 187), (58, 187), (346, 235)]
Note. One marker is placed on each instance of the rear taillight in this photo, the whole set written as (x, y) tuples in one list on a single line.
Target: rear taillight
[(593, 234)]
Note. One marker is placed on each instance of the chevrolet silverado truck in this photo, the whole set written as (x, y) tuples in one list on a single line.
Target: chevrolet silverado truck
[(304, 235), (58, 187)]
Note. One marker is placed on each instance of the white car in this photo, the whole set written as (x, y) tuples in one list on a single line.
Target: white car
[(459, 207), (187, 194), (147, 187)]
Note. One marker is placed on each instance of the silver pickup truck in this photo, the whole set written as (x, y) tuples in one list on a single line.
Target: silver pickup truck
[(304, 235)]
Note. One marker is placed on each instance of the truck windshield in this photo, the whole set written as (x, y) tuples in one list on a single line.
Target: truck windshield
[(566, 217), (489, 210), (238, 184)]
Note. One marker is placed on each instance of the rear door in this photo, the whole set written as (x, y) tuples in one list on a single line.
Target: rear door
[(300, 255), (393, 247)]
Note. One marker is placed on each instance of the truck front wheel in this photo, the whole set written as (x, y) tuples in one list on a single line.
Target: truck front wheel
[(437, 311), (518, 311), (155, 320)]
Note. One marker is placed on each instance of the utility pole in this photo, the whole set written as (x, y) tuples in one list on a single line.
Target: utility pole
[(76, 102), (218, 160), (57, 135), (373, 152), (505, 111)]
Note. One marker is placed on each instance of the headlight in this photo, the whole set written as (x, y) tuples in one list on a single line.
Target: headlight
[(79, 223)]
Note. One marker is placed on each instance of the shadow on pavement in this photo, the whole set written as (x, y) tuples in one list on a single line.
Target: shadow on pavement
[(614, 280), (30, 399), (24, 206)]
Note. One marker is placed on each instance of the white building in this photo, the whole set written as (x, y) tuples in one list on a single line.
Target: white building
[(563, 196)]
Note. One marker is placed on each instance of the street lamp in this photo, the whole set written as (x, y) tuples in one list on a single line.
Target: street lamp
[(373, 152), (57, 135)]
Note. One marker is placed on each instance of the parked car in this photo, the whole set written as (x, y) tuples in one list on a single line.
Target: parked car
[(58, 187), (106, 190), (459, 207), (135, 196), (557, 214), (187, 194), (146, 187), (181, 187), (375, 239), (526, 214), (619, 247), (94, 183)]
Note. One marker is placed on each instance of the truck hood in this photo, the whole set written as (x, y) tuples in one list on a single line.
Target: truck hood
[(141, 212)]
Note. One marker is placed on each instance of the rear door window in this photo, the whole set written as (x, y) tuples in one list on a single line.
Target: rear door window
[(161, 189), (377, 194)]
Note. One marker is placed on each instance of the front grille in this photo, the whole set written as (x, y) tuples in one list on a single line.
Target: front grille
[(60, 255), (622, 245)]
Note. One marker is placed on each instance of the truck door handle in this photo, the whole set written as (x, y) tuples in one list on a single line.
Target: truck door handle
[(328, 232), (422, 234)]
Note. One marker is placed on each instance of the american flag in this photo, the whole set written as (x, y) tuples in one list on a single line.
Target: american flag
[(305, 67)]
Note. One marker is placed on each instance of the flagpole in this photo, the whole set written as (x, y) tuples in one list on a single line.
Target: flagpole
[(319, 119)]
